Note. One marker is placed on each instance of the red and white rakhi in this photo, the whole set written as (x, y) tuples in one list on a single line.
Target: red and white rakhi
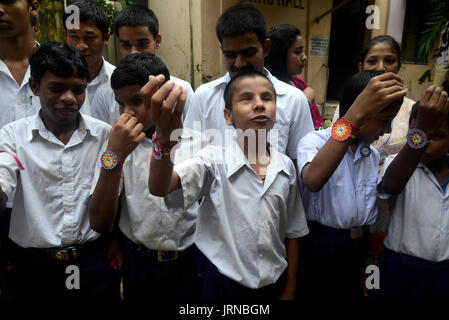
[(158, 149), (341, 129), (15, 158), (416, 138)]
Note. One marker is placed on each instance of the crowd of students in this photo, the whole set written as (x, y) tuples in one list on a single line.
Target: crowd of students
[(225, 193)]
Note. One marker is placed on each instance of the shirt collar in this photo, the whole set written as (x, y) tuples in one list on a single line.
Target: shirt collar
[(4, 69), (85, 126), (235, 159), (102, 74)]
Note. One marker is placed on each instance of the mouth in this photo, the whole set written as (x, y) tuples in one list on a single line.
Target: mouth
[(3, 22), (260, 119)]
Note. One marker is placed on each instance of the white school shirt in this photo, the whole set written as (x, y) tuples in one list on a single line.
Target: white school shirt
[(242, 221), (144, 218), (103, 77), (105, 108), (348, 199), (419, 216), (51, 203), (292, 114)]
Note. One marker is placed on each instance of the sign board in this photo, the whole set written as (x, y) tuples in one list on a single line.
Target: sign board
[(319, 46)]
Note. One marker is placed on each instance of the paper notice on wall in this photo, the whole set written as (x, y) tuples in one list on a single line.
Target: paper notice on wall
[(319, 46)]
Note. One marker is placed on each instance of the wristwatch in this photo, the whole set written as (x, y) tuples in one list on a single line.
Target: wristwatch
[(416, 138), (343, 129), (109, 160)]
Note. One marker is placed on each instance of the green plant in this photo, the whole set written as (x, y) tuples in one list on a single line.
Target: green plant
[(435, 37), (51, 13)]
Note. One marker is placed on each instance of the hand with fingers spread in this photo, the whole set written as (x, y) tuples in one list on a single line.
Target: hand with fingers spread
[(432, 110), (166, 103), (125, 135), (379, 93)]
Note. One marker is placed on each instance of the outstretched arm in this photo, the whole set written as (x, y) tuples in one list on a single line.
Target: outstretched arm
[(166, 104), (432, 113), (380, 92)]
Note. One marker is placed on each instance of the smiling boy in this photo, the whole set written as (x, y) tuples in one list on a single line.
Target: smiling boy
[(50, 159)]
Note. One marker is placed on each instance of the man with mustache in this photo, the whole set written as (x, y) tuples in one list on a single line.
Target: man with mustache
[(241, 31)]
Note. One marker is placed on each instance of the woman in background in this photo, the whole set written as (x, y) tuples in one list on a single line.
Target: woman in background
[(287, 59)]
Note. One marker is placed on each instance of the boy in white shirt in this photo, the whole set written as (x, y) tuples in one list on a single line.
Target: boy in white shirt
[(50, 159), (251, 201), (160, 260), (415, 263)]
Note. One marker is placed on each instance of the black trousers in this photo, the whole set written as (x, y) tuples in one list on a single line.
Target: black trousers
[(38, 276), (146, 278), (331, 265)]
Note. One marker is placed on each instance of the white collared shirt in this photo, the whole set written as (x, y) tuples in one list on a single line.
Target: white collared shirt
[(144, 218), (292, 113), (103, 77), (419, 216), (105, 108), (348, 199), (51, 203), (17, 101), (242, 221)]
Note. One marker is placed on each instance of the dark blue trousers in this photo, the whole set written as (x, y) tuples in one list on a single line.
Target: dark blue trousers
[(218, 287), (404, 277), (38, 276), (146, 278), (331, 265)]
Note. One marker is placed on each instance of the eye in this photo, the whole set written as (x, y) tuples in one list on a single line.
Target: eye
[(371, 62)]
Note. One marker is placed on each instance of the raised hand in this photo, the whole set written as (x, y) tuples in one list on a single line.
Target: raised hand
[(166, 104), (379, 93), (432, 110), (125, 135)]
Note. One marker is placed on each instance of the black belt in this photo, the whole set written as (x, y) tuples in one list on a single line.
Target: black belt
[(71, 253), (353, 233), (158, 255)]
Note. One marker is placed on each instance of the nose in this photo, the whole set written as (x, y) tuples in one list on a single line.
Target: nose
[(381, 67), (134, 50), (81, 46), (128, 109), (240, 62), (68, 98), (259, 104)]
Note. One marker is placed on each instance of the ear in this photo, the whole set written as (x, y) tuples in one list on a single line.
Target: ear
[(34, 86), (266, 47), (360, 66), (65, 34), (106, 38), (228, 116), (158, 40)]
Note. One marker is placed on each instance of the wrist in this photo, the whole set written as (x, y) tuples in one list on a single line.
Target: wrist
[(164, 139), (354, 117)]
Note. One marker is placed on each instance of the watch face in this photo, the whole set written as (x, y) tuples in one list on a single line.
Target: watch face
[(416, 138), (109, 160)]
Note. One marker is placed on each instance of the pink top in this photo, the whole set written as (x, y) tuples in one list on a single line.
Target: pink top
[(316, 116)]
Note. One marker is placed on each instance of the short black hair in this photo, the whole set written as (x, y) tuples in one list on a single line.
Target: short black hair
[(355, 86), (381, 39), (89, 11), (239, 20), (135, 69), (58, 58), (232, 84), (137, 15), (282, 37)]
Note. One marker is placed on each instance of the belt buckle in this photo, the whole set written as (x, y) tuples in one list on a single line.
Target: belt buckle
[(60, 255), (161, 256), (356, 233)]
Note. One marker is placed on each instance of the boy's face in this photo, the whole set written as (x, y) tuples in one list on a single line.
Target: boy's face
[(89, 40), (15, 16), (438, 146), (137, 39), (244, 51), (378, 125), (130, 100), (253, 105), (60, 98)]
